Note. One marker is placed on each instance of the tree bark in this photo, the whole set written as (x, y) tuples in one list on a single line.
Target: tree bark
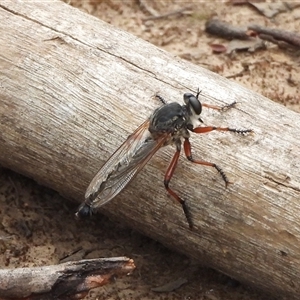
[(73, 88)]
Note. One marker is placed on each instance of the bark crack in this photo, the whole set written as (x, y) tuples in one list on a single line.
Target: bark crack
[(283, 184)]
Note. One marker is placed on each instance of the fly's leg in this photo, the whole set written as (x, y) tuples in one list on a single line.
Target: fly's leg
[(161, 99), (219, 108), (212, 128), (188, 154), (168, 176)]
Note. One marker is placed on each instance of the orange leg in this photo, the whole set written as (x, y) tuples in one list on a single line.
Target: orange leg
[(220, 108), (188, 153), (168, 176), (212, 128)]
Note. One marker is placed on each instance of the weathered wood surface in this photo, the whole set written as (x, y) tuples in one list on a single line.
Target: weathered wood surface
[(73, 88), (70, 280)]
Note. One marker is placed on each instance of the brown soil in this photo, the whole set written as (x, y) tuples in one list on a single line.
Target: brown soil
[(38, 226)]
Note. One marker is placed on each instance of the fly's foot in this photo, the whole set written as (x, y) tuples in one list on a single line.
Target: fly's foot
[(228, 106), (241, 131)]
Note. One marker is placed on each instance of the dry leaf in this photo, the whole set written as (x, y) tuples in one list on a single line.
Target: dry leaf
[(270, 9), (249, 45)]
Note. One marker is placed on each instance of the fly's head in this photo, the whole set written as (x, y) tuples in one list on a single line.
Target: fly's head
[(193, 110)]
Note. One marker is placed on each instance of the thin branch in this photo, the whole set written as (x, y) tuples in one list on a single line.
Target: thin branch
[(71, 280)]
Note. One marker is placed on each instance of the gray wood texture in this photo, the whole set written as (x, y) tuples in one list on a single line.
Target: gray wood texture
[(72, 88), (72, 278)]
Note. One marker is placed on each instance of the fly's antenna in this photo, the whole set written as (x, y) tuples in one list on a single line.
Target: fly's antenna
[(198, 92)]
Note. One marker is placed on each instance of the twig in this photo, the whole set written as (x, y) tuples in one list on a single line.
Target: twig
[(147, 8), (71, 280), (175, 12), (225, 30), (70, 256), (277, 35)]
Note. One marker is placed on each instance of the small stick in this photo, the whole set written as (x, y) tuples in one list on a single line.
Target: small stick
[(289, 37), (147, 8), (175, 12), (71, 280), (225, 30)]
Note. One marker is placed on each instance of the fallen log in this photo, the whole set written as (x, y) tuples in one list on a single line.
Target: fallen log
[(70, 280), (73, 88)]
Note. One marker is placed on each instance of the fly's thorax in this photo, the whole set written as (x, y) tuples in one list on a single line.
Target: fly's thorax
[(170, 118)]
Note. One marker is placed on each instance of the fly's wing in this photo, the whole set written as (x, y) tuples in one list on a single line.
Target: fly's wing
[(122, 166)]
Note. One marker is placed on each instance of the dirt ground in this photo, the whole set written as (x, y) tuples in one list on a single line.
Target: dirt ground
[(36, 229)]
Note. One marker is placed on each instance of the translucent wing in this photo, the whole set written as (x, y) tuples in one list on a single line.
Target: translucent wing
[(122, 166)]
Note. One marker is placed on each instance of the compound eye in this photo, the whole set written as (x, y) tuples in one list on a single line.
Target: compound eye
[(191, 101)]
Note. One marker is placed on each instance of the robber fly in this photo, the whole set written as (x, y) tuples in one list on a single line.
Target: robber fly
[(169, 124)]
